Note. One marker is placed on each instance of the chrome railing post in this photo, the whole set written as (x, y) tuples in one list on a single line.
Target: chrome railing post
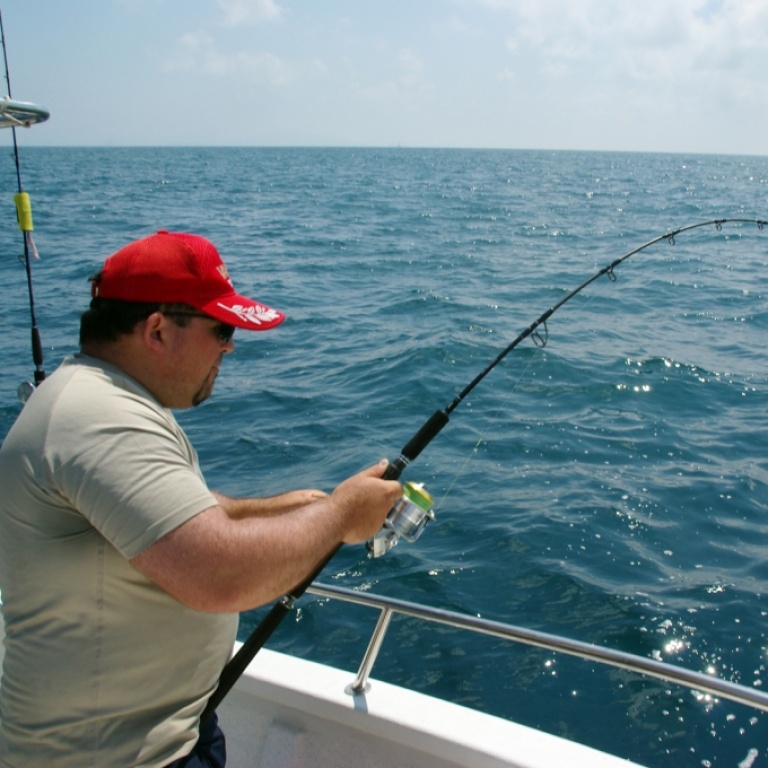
[(374, 645)]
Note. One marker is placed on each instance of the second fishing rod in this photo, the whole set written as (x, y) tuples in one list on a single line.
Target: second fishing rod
[(13, 114), (408, 518)]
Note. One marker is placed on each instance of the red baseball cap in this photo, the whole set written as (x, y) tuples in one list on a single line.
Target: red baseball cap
[(174, 267)]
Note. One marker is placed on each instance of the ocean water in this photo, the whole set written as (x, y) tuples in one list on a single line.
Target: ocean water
[(611, 487)]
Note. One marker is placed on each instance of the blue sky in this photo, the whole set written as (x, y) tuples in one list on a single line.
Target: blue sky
[(637, 75)]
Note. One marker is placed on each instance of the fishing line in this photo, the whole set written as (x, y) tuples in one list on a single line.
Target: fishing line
[(15, 114), (539, 333), (484, 436)]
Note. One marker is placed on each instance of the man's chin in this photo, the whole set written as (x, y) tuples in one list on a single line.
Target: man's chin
[(206, 390), (201, 396)]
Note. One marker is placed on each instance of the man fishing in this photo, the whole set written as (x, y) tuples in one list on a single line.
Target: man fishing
[(122, 574)]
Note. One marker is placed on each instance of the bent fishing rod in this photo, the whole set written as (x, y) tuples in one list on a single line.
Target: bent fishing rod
[(15, 114), (408, 517)]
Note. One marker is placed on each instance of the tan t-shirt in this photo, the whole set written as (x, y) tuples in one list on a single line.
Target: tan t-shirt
[(101, 666)]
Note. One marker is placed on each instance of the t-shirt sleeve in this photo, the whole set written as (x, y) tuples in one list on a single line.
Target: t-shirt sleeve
[(125, 465)]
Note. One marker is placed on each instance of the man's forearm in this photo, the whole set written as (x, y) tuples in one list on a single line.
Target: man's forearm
[(268, 506)]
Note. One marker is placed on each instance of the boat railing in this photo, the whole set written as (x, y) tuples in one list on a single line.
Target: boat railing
[(707, 684)]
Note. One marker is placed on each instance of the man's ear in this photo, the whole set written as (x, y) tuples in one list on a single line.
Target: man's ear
[(155, 330)]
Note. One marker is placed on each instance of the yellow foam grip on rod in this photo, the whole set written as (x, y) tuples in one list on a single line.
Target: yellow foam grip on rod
[(23, 211)]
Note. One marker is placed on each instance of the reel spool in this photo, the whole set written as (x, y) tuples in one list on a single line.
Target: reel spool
[(407, 519)]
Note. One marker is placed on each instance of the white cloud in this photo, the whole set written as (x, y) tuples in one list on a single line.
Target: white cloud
[(648, 40), (411, 68), (683, 57), (240, 12), (199, 51)]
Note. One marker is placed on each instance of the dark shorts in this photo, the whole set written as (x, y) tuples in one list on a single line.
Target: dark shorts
[(210, 750)]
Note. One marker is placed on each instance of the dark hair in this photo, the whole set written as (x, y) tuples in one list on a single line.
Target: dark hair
[(108, 319)]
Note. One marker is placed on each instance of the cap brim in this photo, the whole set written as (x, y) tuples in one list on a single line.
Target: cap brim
[(243, 313)]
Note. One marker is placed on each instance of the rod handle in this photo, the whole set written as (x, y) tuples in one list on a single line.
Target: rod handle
[(37, 347), (235, 667), (425, 435)]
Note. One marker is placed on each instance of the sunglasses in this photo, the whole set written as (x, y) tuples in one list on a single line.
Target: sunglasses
[(224, 332)]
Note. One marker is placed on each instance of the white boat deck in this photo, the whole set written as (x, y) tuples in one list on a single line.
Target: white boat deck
[(287, 712)]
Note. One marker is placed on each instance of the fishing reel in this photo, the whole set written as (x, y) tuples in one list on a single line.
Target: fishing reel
[(407, 519)]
